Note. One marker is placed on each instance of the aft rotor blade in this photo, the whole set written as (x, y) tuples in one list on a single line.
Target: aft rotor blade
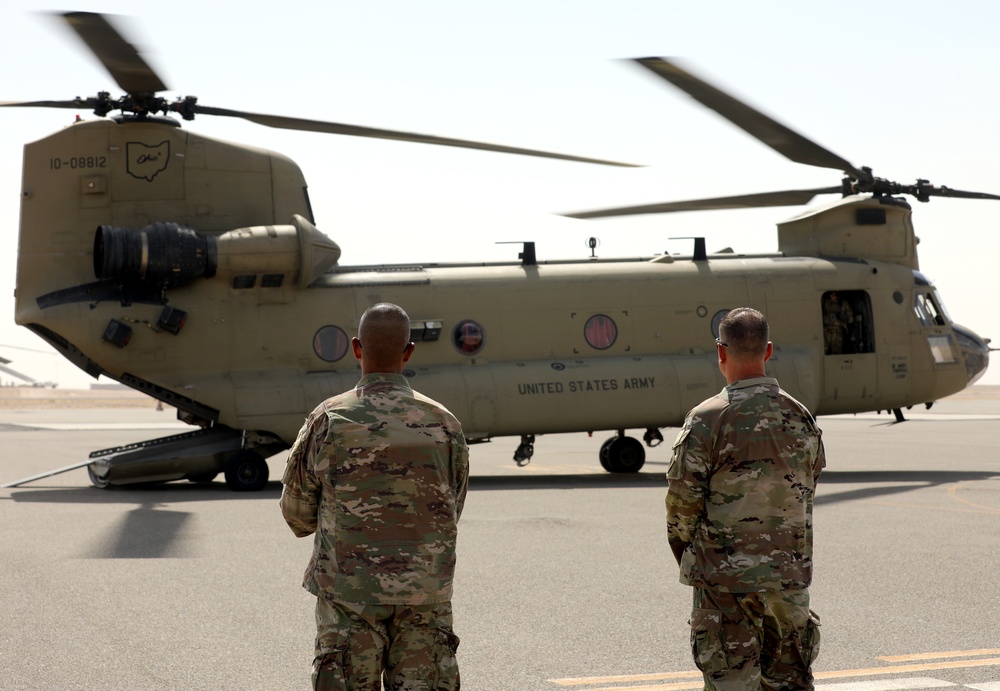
[(119, 57), (785, 141), (744, 201), (76, 103), (289, 123)]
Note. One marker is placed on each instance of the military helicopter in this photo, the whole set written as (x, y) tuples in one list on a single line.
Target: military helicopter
[(190, 269)]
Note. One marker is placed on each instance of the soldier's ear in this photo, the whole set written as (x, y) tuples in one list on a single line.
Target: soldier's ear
[(408, 350), (356, 345), (769, 351)]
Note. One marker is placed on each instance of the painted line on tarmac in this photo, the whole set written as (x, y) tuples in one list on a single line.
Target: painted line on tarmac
[(581, 681), (938, 656), (953, 493), (837, 674), (888, 685)]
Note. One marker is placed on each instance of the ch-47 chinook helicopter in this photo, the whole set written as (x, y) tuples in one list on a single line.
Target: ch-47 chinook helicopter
[(189, 269)]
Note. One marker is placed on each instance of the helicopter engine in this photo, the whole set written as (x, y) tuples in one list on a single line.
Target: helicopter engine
[(167, 255)]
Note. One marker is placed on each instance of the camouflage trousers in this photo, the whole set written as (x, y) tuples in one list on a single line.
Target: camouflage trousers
[(409, 647), (750, 641)]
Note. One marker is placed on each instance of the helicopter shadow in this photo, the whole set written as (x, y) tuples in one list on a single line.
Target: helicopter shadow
[(882, 483), (152, 529), (567, 481), (155, 493)]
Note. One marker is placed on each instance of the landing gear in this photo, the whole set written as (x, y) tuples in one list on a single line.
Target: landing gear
[(525, 450), (603, 453), (652, 437), (96, 480), (622, 454), (246, 471)]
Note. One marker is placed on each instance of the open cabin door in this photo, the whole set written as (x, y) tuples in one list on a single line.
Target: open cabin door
[(850, 367)]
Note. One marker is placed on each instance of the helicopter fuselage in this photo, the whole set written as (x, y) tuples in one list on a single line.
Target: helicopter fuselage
[(247, 323)]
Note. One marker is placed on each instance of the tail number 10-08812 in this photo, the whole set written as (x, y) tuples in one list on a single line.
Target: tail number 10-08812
[(78, 162)]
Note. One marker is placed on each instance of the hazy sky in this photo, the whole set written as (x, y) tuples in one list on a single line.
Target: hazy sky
[(910, 90)]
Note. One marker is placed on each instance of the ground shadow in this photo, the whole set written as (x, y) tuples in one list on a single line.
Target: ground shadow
[(881, 483)]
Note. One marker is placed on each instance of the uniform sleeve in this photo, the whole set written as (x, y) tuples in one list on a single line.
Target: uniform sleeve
[(301, 492), (820, 463), (688, 476), (460, 465)]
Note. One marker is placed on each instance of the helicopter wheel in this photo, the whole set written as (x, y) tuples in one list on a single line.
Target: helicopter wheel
[(603, 453), (246, 471), (99, 483), (624, 455)]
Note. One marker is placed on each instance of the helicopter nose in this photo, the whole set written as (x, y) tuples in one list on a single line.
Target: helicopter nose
[(975, 352)]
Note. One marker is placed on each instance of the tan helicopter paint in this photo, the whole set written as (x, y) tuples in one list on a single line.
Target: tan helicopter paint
[(189, 268), (245, 356)]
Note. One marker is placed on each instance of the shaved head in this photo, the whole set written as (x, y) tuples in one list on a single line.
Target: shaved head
[(745, 332), (384, 333)]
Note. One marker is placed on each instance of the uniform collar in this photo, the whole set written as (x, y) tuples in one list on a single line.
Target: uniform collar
[(754, 381), (383, 377)]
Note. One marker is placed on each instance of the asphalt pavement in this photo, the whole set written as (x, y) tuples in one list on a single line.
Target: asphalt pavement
[(564, 578)]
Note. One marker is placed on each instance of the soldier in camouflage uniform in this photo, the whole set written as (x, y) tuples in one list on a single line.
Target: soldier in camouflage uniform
[(380, 474), (739, 520)]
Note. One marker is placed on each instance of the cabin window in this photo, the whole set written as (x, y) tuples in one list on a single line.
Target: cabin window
[(600, 331), (848, 327), (468, 337), (716, 320), (330, 343)]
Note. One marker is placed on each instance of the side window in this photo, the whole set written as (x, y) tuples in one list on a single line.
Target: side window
[(847, 322)]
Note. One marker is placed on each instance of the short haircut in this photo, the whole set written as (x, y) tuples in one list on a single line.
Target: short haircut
[(745, 332), (384, 332)]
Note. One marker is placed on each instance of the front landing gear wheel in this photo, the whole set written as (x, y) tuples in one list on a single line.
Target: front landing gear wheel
[(246, 471), (623, 455)]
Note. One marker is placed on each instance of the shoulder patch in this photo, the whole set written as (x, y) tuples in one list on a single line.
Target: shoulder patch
[(676, 468)]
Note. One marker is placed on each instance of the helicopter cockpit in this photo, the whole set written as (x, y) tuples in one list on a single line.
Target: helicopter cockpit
[(969, 348)]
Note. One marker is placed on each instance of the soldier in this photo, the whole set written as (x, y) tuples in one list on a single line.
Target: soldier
[(837, 319), (380, 474), (739, 520)]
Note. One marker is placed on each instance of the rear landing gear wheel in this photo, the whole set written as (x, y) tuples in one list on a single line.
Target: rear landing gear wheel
[(623, 455), (99, 483), (603, 453), (246, 471)]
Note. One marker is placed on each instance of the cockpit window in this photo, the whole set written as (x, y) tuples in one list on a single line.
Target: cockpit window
[(929, 310)]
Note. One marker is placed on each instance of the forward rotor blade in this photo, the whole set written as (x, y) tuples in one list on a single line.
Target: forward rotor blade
[(119, 57), (289, 123), (785, 141), (744, 201)]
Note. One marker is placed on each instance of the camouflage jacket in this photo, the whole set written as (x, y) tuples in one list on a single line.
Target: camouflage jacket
[(742, 478), (379, 474)]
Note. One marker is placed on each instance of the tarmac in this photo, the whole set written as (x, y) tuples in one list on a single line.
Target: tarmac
[(564, 578)]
